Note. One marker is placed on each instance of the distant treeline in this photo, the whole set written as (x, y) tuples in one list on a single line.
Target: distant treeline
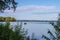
[(7, 18)]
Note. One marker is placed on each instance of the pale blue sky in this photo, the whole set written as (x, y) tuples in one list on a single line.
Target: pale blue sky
[(39, 2), (35, 9)]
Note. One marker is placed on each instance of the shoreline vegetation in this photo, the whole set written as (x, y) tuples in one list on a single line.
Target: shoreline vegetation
[(2, 19), (14, 33)]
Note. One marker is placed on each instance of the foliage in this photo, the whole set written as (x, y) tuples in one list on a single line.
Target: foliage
[(33, 37), (7, 4), (7, 19), (57, 30), (7, 33), (13, 33), (43, 36)]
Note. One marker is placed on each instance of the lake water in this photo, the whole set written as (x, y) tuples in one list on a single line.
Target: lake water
[(39, 28)]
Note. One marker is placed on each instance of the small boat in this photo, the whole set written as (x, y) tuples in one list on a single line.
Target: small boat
[(25, 23)]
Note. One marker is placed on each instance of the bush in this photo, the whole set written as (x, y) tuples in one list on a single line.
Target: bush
[(7, 33)]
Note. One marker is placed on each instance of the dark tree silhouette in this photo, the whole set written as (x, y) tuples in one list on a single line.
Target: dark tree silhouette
[(7, 4)]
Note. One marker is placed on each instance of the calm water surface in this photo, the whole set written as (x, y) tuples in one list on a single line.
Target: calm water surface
[(38, 28)]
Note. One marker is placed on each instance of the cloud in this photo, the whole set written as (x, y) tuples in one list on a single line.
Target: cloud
[(32, 12), (35, 7), (32, 8), (27, 16)]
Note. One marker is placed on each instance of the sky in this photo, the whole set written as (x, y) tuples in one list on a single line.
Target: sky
[(35, 10)]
